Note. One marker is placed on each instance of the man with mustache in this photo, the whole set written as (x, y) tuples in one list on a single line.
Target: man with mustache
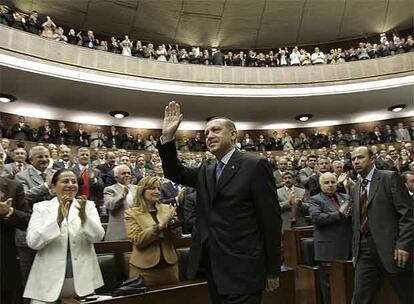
[(238, 225)]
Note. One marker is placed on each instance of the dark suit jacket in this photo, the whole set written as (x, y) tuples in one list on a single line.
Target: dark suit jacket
[(44, 136), (61, 137), (333, 232), (110, 142), (238, 219), (95, 186), (19, 219), (18, 133), (81, 139), (189, 212), (107, 174), (390, 218)]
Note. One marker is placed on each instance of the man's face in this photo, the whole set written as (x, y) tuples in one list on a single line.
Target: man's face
[(21, 119), (324, 165), (65, 154), (154, 158), (125, 161), (219, 137), (40, 159), (122, 152), (409, 183), (84, 157), (141, 162), (133, 158), (312, 162), (5, 143), (19, 155), (329, 184), (283, 165), (124, 176), (394, 154), (110, 158), (61, 125), (361, 161), (338, 168), (101, 154), (288, 180)]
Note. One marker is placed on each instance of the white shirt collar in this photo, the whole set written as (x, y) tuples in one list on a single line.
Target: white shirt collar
[(225, 159)]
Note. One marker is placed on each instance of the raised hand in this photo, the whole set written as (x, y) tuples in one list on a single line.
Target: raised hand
[(172, 120), (82, 209), (63, 210), (5, 206)]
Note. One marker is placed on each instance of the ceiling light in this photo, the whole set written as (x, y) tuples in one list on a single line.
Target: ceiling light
[(6, 98), (397, 108), (304, 117), (119, 114)]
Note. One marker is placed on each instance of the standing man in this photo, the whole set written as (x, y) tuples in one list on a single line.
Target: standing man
[(13, 214), (383, 227), (19, 164), (238, 225)]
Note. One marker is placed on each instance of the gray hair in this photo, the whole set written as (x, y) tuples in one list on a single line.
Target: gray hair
[(118, 168), (324, 176), (37, 149)]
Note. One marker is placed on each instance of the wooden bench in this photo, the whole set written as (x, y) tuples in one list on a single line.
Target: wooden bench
[(292, 252)]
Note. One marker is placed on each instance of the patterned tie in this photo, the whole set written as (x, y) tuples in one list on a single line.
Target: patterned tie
[(363, 205), (219, 170)]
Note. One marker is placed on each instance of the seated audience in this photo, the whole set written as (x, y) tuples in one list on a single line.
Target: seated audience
[(118, 198), (149, 227), (63, 268), (333, 231)]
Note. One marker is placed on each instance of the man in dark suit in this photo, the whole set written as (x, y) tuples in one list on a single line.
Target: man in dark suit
[(89, 178), (21, 130), (106, 169), (333, 231), (45, 133), (323, 166), (383, 226), (81, 137), (408, 178), (13, 214), (238, 224)]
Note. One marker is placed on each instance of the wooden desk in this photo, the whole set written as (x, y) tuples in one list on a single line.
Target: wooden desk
[(291, 244), (342, 285), (196, 292)]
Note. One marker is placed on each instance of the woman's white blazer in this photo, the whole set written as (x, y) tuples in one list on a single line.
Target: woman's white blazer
[(44, 235)]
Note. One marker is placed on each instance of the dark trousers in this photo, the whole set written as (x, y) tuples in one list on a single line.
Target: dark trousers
[(214, 296), (369, 275), (324, 270)]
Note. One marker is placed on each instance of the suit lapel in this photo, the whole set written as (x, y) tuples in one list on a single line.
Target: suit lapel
[(374, 186), (229, 171), (210, 179), (35, 177), (328, 202)]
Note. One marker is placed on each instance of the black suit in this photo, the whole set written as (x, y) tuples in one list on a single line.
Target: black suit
[(9, 275), (80, 139), (391, 225), (44, 135), (238, 222), (189, 212), (107, 174), (21, 132)]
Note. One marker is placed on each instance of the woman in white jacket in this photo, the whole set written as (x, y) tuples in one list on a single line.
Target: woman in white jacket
[(63, 231)]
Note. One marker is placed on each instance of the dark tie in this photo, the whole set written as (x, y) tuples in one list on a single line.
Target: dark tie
[(43, 175), (219, 170), (363, 205)]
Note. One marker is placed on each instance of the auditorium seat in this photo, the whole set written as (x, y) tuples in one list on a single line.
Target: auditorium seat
[(308, 253), (113, 270), (183, 254)]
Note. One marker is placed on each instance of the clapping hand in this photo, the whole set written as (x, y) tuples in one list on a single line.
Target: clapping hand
[(181, 195), (64, 204), (272, 283), (5, 206), (165, 219), (172, 120), (401, 257), (82, 208)]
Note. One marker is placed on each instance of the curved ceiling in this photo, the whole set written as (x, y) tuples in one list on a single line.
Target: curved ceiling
[(229, 23), (56, 98)]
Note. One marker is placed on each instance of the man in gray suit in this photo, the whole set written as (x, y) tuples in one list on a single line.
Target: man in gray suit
[(383, 226), (308, 171), (333, 231), (118, 198), (281, 168), (18, 165), (34, 180), (293, 205)]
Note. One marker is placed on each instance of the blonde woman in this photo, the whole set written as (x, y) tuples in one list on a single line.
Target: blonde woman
[(148, 224)]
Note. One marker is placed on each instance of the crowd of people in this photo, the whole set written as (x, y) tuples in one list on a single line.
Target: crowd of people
[(195, 55), (58, 133), (146, 207)]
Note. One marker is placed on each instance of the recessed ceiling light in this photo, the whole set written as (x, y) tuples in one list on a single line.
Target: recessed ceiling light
[(119, 114), (304, 117), (6, 98), (397, 108)]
